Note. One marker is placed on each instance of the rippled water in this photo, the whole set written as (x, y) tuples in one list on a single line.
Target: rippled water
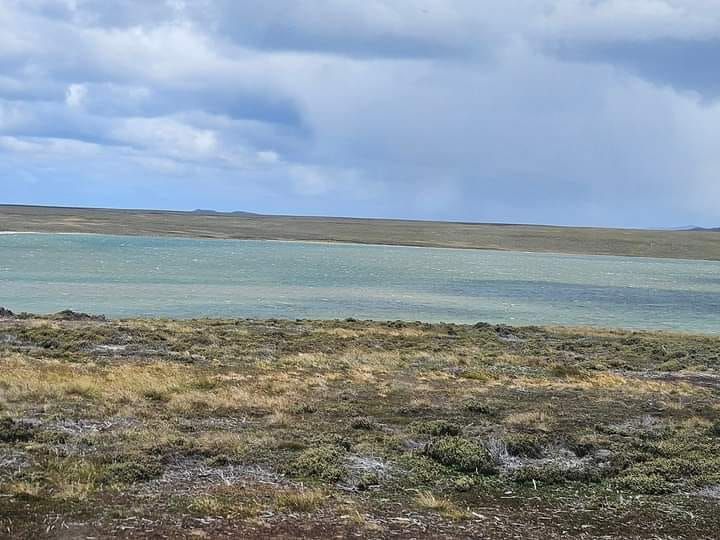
[(140, 276)]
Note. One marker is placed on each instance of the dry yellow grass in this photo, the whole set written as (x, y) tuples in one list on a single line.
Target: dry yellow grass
[(47, 380), (280, 419), (607, 381), (207, 505), (380, 332), (304, 500), (442, 505), (24, 489), (537, 420)]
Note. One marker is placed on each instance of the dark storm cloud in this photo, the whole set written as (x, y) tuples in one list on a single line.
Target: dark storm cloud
[(682, 64)]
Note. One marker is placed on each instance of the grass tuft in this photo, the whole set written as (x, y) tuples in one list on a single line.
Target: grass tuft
[(306, 500), (443, 506)]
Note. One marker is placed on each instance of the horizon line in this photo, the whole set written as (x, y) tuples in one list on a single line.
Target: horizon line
[(250, 214)]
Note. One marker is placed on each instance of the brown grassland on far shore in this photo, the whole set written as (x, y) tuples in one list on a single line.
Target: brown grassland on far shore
[(533, 238)]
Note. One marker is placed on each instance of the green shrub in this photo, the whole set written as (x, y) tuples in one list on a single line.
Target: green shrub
[(436, 428), (12, 431), (367, 480), (464, 483), (419, 470), (51, 437), (647, 484), (547, 474), (583, 446), (461, 454), (154, 394), (130, 472), (363, 422), (622, 460), (671, 365), (172, 446), (476, 375), (670, 468), (704, 480), (565, 371), (320, 462), (477, 405), (523, 445), (303, 408), (331, 439)]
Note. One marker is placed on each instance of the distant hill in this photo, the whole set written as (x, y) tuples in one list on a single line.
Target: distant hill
[(235, 213), (688, 228)]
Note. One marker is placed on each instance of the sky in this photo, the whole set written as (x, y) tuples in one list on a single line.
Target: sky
[(570, 112)]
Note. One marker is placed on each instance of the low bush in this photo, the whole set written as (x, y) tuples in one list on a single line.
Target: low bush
[(524, 445), (565, 371), (647, 484), (583, 446), (367, 480), (671, 365), (476, 375), (461, 454), (131, 472), (436, 428), (12, 431), (477, 405), (363, 422), (321, 463), (547, 474)]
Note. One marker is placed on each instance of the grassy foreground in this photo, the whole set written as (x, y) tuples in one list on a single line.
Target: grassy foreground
[(315, 429), (535, 238)]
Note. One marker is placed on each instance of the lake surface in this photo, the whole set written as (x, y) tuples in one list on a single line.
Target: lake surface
[(169, 277)]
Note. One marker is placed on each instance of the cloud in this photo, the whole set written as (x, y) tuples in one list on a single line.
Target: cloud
[(562, 111), (167, 136), (682, 64), (630, 20), (672, 42), (75, 95)]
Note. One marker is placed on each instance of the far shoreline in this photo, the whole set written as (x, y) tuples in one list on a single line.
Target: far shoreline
[(360, 243), (550, 239)]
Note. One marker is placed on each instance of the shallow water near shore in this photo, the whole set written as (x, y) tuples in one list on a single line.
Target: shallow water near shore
[(187, 278)]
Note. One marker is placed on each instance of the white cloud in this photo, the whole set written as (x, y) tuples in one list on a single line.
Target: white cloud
[(49, 147), (168, 136), (11, 116), (75, 95), (268, 157)]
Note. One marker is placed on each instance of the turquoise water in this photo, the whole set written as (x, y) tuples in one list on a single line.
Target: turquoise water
[(167, 277)]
